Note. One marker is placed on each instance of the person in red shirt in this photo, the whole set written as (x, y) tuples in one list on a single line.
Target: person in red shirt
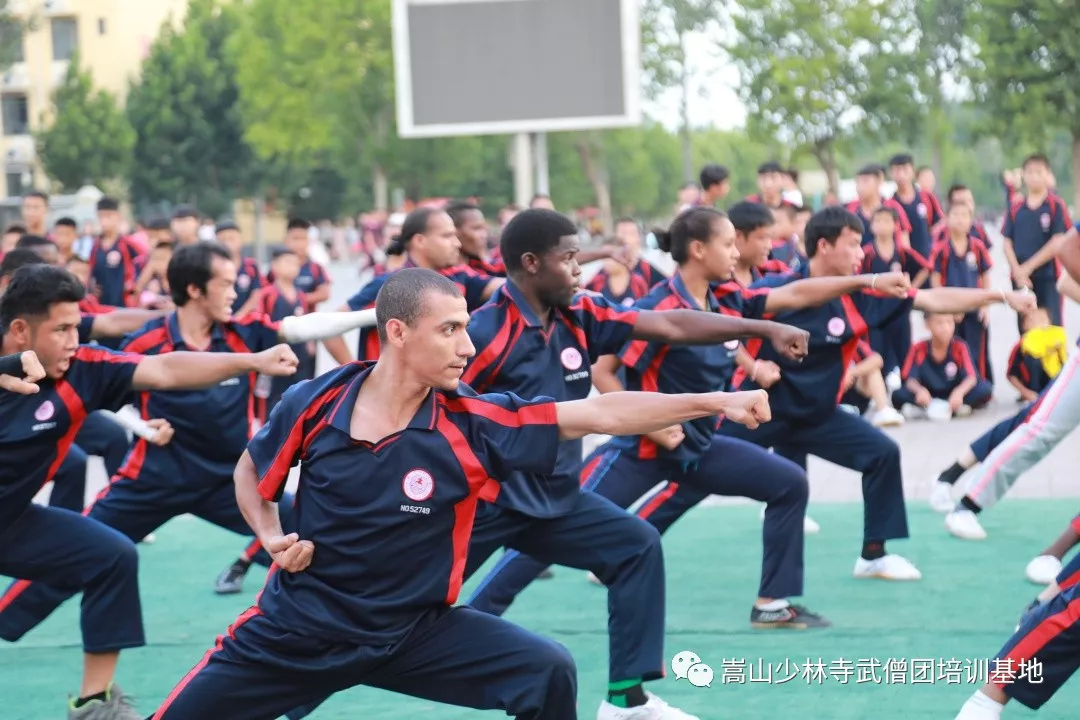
[(868, 188)]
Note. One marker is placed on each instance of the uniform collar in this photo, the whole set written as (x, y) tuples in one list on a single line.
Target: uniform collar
[(176, 338), (341, 412), (681, 290), (512, 291), (408, 263)]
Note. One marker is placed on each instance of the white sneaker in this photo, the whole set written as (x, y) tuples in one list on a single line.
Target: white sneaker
[(941, 499), (809, 525), (1043, 570), (149, 539), (654, 709), (912, 412), (963, 411), (939, 411), (594, 580), (850, 409), (890, 567), (965, 525), (893, 381), (887, 417), (980, 708)]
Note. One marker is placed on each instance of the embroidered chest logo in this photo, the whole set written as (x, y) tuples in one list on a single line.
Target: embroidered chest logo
[(243, 282), (950, 370), (418, 486), (44, 416), (571, 360), (113, 258)]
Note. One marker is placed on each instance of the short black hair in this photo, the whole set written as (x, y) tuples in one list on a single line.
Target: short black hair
[(694, 223), (415, 223), (34, 289), (901, 159), (282, 252), (37, 194), (953, 189), (536, 231), (713, 174), (158, 223), (33, 241), (771, 167), (16, 259), (66, 222), (192, 265), (871, 170), (108, 203), (827, 224), (298, 224), (627, 220), (457, 211), (788, 209), (1038, 158), (886, 210), (226, 225), (792, 173), (15, 228), (402, 296), (748, 216), (185, 211)]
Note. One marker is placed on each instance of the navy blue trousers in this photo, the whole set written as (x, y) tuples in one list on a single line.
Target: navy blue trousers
[(729, 467), (458, 656), (983, 445), (136, 508), (1047, 644), (977, 336), (65, 550), (892, 341), (977, 397), (69, 482), (849, 442), (621, 550), (1070, 572)]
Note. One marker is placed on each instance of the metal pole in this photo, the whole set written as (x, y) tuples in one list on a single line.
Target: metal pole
[(521, 159), (540, 158)]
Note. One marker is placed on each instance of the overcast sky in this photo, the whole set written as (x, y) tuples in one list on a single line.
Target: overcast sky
[(713, 100)]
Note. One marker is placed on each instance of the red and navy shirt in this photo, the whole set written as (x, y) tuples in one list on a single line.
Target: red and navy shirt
[(248, 280), (657, 367), (391, 522), (38, 430), (942, 376), (787, 252), (902, 224), (471, 283), (635, 289), (212, 425), (312, 277), (1027, 369), (113, 272), (1030, 229), (902, 259), (495, 267), (517, 353), (962, 271), (812, 388), (923, 212), (978, 231)]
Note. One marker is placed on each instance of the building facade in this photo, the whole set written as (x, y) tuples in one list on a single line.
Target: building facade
[(111, 37)]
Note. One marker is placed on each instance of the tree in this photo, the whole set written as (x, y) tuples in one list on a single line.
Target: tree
[(89, 140), (190, 145), (814, 71), (11, 35), (1030, 62)]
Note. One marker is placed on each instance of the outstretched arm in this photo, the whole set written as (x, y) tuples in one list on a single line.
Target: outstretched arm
[(965, 300), (693, 327), (121, 321), (640, 413), (820, 290), (196, 370), (323, 325)]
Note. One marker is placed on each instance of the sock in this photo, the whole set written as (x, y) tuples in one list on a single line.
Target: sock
[(626, 694), (102, 696), (952, 474), (773, 606), (982, 700), (873, 550), (969, 504), (241, 565)]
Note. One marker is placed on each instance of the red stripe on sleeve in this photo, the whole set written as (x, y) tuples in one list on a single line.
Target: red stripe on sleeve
[(86, 353), (278, 472), (603, 313), (637, 348), (491, 353), (148, 340), (912, 360), (963, 357), (539, 414)]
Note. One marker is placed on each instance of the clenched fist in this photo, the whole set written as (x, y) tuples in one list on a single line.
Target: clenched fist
[(290, 553), (278, 361), (749, 408)]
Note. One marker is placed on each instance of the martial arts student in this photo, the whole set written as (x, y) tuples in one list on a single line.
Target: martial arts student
[(940, 368)]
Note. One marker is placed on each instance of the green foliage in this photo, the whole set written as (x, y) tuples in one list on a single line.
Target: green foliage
[(663, 24), (190, 145), (89, 140), (11, 35)]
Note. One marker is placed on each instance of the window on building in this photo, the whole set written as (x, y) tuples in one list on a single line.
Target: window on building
[(14, 183), (16, 40), (65, 38), (16, 115)]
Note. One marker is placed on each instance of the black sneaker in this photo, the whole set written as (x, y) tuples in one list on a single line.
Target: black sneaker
[(793, 617), (1032, 607), (231, 580), (546, 574)]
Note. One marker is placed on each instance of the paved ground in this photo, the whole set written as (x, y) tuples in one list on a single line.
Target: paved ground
[(928, 447)]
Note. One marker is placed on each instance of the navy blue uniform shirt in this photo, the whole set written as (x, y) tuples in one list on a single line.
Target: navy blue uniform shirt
[(923, 212), (248, 280), (813, 387), (901, 259), (1030, 229), (942, 376), (391, 522), (37, 430), (516, 353), (471, 284), (902, 224), (113, 273), (635, 289), (214, 424), (961, 270), (656, 367)]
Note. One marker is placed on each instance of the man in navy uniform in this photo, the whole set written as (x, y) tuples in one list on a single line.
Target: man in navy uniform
[(192, 474), (808, 419), (39, 312), (348, 611)]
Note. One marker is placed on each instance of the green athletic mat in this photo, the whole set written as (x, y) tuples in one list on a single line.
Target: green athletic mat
[(963, 610)]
